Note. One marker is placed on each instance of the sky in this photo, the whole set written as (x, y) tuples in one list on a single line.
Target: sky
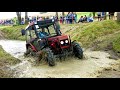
[(5, 15)]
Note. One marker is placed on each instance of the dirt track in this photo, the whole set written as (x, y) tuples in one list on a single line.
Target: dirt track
[(90, 67)]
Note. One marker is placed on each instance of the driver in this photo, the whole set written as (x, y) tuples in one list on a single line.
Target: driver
[(43, 34)]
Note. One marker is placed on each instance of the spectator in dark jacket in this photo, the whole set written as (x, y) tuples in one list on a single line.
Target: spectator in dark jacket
[(99, 16), (111, 15)]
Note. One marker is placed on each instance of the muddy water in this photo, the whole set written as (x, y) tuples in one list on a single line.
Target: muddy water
[(90, 67), (15, 48)]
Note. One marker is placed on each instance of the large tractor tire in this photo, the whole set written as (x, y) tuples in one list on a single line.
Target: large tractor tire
[(77, 50), (50, 57)]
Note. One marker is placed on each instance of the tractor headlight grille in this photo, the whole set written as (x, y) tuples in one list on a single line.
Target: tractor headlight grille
[(64, 42)]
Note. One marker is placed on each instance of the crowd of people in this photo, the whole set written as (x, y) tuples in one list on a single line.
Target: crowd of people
[(102, 15), (70, 18), (6, 22)]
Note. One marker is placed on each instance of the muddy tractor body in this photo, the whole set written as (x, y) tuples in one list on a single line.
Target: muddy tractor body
[(53, 45)]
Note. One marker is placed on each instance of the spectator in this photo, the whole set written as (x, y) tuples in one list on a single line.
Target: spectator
[(56, 18), (99, 16), (70, 18), (40, 19), (103, 14), (111, 15), (81, 19), (34, 19), (63, 19), (90, 19), (60, 19), (67, 19), (30, 19), (85, 18), (22, 21), (75, 15)]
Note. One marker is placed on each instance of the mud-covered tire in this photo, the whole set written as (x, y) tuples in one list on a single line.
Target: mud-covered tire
[(77, 50), (50, 57), (30, 51)]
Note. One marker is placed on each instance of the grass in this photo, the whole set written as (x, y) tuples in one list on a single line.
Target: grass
[(1, 26), (6, 59), (116, 44), (13, 32), (98, 33)]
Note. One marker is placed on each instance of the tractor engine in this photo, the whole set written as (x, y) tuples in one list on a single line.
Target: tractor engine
[(59, 44)]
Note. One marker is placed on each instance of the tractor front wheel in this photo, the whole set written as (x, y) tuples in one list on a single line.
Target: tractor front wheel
[(50, 57), (77, 50)]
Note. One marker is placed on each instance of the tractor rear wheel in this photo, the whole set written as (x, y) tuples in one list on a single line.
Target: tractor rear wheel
[(77, 50)]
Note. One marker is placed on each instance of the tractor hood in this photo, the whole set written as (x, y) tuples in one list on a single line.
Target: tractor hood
[(62, 41), (63, 37)]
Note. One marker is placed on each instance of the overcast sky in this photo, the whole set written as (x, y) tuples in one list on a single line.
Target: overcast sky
[(4, 15)]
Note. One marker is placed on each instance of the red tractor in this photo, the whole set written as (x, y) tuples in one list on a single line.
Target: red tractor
[(45, 39)]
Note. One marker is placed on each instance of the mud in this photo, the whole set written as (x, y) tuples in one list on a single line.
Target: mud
[(113, 72), (90, 67)]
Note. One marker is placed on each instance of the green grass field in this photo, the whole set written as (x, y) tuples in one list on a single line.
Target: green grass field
[(13, 32)]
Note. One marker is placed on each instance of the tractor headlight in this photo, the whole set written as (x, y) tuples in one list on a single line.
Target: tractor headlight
[(66, 41), (62, 42)]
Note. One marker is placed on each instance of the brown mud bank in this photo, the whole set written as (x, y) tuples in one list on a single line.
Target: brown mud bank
[(113, 72)]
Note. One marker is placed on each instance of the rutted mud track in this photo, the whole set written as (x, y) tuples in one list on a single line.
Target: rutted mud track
[(90, 67)]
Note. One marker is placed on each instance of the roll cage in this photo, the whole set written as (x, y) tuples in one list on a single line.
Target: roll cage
[(44, 24)]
